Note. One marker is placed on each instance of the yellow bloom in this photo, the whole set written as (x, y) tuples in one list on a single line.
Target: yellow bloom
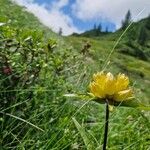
[(105, 85)]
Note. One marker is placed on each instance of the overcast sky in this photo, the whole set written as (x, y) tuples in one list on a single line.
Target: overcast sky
[(80, 15)]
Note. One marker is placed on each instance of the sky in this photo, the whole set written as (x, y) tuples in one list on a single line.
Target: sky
[(81, 15)]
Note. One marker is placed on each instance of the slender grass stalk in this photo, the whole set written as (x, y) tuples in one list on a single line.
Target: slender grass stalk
[(106, 126)]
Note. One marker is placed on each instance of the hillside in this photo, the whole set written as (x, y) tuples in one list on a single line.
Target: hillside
[(38, 67), (130, 43), (91, 34), (128, 56), (95, 33), (18, 17)]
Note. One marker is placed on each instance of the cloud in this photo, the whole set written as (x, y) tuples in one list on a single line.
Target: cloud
[(110, 10), (59, 4), (53, 17)]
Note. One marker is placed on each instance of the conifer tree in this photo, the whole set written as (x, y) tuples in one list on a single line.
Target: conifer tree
[(94, 27), (60, 31), (106, 30), (127, 20), (99, 28)]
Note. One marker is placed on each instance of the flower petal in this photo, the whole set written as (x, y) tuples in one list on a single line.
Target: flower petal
[(96, 90), (123, 95), (109, 84), (122, 82), (99, 78)]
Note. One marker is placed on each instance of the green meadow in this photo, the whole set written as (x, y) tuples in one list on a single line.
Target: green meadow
[(38, 68)]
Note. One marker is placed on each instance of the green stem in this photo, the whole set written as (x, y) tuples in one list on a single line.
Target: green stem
[(106, 126)]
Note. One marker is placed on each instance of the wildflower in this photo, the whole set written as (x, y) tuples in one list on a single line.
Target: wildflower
[(7, 70), (106, 86)]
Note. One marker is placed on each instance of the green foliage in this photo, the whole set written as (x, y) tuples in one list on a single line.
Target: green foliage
[(22, 56), (34, 76), (133, 50), (142, 39), (93, 33), (147, 24), (17, 17), (131, 36), (86, 139), (20, 62)]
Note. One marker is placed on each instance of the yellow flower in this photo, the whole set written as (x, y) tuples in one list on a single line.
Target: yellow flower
[(105, 85)]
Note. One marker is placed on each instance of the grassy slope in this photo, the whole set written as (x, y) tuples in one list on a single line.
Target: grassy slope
[(134, 67), (127, 125), (17, 16), (91, 33), (102, 46)]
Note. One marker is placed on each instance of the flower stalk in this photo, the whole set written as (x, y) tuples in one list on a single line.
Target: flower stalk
[(106, 126)]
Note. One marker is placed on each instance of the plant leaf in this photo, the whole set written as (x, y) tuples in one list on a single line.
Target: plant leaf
[(127, 103), (83, 134)]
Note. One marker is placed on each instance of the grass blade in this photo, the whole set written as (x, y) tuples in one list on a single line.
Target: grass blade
[(23, 121), (83, 134)]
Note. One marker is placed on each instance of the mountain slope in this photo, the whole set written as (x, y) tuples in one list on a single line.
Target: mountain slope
[(134, 42), (95, 33), (125, 58), (128, 56), (18, 17), (36, 73)]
